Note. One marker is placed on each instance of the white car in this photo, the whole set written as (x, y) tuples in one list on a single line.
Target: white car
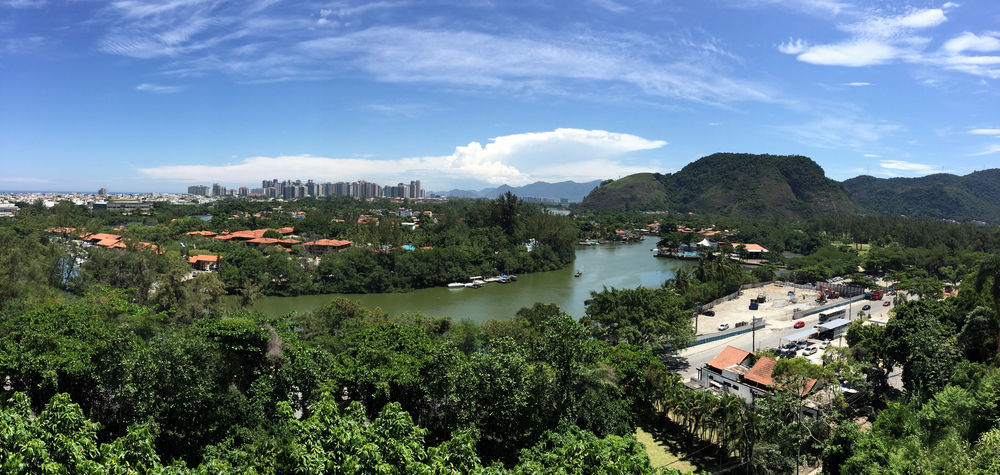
[(809, 351), (723, 326), (823, 344)]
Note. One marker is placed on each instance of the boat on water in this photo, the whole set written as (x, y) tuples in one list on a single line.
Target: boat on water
[(578, 274), (456, 285), (474, 285)]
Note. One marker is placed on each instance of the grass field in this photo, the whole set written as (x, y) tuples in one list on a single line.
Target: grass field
[(660, 455)]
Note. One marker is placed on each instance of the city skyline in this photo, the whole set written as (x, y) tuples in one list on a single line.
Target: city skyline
[(151, 96)]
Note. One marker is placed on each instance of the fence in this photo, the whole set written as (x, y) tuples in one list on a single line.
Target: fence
[(757, 325)]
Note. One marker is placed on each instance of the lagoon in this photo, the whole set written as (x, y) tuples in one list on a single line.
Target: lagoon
[(610, 265)]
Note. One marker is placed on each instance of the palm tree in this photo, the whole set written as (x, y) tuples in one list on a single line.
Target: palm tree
[(989, 269)]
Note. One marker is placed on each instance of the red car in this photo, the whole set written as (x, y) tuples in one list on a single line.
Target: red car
[(886, 303), (799, 324)]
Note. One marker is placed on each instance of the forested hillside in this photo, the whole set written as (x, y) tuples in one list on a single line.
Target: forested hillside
[(731, 184), (975, 196)]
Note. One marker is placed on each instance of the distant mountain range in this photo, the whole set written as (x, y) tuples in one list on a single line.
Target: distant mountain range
[(570, 190), (794, 186)]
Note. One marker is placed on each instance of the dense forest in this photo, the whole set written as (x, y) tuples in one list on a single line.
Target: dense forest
[(795, 187), (123, 365)]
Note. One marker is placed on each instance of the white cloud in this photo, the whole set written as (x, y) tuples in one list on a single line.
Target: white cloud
[(857, 84), (203, 37), (854, 53), (157, 89), (887, 39), (985, 132), (994, 148), (872, 155), (971, 42), (793, 47), (515, 159), (902, 165), (909, 168)]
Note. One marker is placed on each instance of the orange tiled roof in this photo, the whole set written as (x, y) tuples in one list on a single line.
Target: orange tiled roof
[(203, 258), (202, 233), (328, 243), (729, 356), (762, 373), (60, 230), (264, 240)]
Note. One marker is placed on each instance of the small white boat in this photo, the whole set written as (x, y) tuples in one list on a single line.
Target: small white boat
[(456, 285), (473, 285)]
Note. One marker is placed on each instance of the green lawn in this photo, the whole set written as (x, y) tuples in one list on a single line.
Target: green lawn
[(660, 455)]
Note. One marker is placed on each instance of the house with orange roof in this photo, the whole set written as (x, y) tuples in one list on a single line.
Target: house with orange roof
[(735, 371), (204, 262), (326, 245), (207, 234)]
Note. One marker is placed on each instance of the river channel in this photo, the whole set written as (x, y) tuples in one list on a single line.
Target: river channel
[(611, 265)]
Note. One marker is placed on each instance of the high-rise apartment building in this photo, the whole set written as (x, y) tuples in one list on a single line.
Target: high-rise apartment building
[(102, 192), (199, 190), (218, 190)]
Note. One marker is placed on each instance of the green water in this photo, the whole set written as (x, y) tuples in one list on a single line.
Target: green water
[(612, 265)]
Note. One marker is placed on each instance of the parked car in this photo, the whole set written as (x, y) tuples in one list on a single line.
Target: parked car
[(809, 351), (866, 307), (799, 324), (790, 345), (709, 313), (886, 303), (801, 344), (723, 326), (824, 344), (787, 354)]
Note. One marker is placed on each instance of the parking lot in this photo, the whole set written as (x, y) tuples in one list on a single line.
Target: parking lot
[(777, 312)]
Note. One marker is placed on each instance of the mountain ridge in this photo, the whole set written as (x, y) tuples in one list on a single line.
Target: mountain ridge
[(570, 190), (795, 186)]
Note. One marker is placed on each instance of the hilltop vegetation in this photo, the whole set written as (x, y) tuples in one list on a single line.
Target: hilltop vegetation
[(793, 186), (731, 184), (975, 196)]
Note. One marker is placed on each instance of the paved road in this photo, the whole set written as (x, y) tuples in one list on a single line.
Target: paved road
[(690, 359)]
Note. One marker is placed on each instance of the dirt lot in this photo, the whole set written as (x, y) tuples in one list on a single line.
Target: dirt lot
[(776, 310)]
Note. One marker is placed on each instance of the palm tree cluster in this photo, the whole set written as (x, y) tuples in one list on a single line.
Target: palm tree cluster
[(723, 419)]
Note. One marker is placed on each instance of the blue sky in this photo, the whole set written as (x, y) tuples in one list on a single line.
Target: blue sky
[(153, 96)]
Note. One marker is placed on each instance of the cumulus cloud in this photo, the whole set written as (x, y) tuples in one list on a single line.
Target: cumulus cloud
[(793, 46), (857, 84), (515, 159), (872, 155)]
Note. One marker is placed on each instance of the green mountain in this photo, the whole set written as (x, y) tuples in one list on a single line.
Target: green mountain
[(975, 196), (731, 184)]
